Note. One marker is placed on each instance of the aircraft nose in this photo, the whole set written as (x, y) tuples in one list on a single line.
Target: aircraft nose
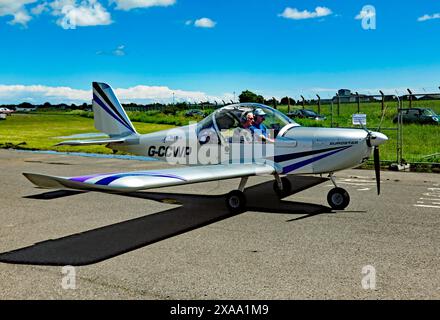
[(378, 138)]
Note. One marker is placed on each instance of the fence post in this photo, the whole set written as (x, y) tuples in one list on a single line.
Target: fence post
[(288, 104), (303, 102), (339, 102), (331, 114), (410, 98), (383, 99), (319, 104), (358, 100)]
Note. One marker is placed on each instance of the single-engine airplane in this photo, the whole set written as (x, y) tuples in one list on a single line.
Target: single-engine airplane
[(221, 147)]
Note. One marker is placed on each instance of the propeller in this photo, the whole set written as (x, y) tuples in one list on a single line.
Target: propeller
[(374, 139), (377, 167), (376, 153)]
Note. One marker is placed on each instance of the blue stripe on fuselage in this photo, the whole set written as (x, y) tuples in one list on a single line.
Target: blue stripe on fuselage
[(303, 163)]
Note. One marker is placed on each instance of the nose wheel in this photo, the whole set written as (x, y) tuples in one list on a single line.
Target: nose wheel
[(337, 198)]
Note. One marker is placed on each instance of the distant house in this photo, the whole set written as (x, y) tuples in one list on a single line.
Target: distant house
[(345, 96), (25, 109), (344, 92)]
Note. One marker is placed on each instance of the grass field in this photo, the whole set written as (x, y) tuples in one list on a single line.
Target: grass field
[(42, 131)]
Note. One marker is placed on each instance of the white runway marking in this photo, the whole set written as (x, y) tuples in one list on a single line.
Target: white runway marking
[(430, 194), (364, 189), (426, 206), (432, 202)]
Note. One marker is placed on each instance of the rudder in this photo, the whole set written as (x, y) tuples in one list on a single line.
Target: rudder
[(110, 117)]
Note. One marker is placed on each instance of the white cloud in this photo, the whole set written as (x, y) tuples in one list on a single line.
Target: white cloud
[(119, 52), (365, 14), (143, 93), (295, 14), (205, 23), (133, 4), (86, 13), (17, 9), (39, 9), (140, 94), (21, 17), (427, 17), (39, 93)]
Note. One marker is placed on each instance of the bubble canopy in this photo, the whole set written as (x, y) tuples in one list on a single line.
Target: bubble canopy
[(232, 116)]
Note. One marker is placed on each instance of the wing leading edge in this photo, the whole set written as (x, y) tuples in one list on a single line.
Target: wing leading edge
[(142, 180)]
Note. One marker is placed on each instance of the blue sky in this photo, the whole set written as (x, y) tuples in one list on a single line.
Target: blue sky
[(151, 48)]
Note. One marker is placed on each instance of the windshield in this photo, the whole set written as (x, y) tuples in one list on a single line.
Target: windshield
[(227, 119)]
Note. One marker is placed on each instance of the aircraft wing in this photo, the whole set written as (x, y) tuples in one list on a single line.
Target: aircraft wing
[(142, 180)]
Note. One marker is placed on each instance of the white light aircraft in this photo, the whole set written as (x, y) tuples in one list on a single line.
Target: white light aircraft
[(222, 147)]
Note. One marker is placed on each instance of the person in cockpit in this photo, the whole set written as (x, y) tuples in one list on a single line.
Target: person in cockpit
[(243, 133), (258, 128)]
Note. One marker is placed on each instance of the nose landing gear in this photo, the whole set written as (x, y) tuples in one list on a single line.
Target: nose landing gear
[(337, 198)]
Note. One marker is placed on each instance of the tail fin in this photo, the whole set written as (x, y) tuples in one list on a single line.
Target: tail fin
[(109, 115)]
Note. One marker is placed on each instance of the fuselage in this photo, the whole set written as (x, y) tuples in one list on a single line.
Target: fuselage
[(298, 150)]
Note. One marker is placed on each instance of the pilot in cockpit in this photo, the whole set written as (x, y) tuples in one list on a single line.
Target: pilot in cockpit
[(258, 128)]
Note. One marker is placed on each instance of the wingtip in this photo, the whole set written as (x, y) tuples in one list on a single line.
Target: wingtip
[(41, 180)]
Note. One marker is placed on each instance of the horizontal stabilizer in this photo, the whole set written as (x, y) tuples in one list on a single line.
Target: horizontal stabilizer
[(91, 142)]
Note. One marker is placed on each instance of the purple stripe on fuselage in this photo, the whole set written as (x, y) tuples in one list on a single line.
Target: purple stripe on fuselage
[(85, 178)]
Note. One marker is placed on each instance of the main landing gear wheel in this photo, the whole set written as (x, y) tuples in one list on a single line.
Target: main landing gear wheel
[(236, 201), (287, 187), (338, 198)]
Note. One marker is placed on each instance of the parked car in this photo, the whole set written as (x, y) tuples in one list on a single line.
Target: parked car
[(195, 112), (306, 114), (6, 111), (418, 115)]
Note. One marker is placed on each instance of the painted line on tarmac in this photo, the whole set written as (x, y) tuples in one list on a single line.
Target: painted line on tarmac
[(426, 206), (432, 202)]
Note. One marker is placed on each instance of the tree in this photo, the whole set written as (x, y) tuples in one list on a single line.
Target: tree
[(249, 96), (272, 102), (285, 101)]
